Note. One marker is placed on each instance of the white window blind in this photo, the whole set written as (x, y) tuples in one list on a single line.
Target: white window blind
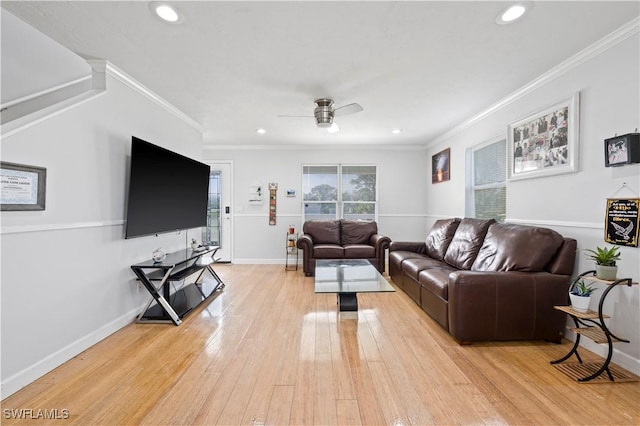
[(487, 197)]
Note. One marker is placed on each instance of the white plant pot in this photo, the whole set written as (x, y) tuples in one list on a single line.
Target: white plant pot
[(580, 303), (607, 273)]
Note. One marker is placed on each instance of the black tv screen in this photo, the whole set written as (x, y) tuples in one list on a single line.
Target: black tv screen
[(167, 191)]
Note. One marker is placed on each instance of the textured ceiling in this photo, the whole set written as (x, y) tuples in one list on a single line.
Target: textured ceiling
[(420, 66)]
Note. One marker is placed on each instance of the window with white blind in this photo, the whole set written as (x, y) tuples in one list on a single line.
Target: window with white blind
[(339, 192), (486, 196)]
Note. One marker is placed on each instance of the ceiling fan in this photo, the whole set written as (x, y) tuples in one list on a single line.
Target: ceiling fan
[(324, 113)]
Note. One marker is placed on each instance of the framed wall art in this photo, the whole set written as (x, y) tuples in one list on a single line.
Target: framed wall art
[(23, 187), (545, 143), (440, 166)]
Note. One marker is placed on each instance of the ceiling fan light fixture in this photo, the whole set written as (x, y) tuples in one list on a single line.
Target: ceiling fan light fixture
[(396, 131), (261, 131), (323, 112), (513, 13), (333, 128)]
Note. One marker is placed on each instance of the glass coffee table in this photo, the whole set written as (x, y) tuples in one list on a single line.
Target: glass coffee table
[(347, 278)]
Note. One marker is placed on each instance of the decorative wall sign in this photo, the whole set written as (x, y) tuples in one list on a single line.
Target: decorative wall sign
[(545, 143), (273, 188), (621, 225), (255, 194), (23, 187), (440, 166)]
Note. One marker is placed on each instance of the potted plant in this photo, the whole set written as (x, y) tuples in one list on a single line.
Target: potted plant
[(605, 259), (580, 295), (194, 244)]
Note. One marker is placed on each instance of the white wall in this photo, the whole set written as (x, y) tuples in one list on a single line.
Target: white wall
[(66, 277), (573, 204), (402, 176)]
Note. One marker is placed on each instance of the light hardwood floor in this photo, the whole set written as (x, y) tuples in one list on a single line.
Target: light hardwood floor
[(268, 350)]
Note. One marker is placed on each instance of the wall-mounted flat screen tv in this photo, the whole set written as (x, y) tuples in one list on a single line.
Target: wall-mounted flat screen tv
[(167, 191)]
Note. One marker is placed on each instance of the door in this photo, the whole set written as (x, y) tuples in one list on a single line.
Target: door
[(219, 227)]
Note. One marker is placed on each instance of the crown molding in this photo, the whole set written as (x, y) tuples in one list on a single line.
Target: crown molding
[(629, 29), (314, 147)]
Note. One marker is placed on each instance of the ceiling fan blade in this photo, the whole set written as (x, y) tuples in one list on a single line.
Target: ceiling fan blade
[(347, 109)]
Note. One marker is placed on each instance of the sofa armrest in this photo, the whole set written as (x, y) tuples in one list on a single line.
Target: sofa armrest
[(415, 246), (506, 305), (305, 242), (380, 242)]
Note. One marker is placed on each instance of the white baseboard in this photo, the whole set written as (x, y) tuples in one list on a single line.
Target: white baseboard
[(252, 261), (32, 373)]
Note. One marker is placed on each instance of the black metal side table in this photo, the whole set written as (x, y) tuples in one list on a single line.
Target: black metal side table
[(292, 252), (591, 324)]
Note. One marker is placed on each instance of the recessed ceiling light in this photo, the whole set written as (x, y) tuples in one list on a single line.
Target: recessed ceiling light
[(261, 131), (166, 12), (396, 131), (513, 13)]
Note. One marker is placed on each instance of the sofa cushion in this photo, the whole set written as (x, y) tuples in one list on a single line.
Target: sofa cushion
[(400, 255), (413, 266), (359, 251), (328, 251), (510, 247), (466, 242), (357, 231), (436, 280), (323, 231), (440, 237)]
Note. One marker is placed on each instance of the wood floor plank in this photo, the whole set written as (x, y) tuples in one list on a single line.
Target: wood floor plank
[(280, 407), (387, 395), (348, 412), (268, 350), (324, 407)]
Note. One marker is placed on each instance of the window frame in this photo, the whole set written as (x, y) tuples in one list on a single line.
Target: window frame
[(339, 202), (470, 187)]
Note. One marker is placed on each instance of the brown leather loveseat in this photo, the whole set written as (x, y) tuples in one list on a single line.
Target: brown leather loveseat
[(483, 280), (341, 239)]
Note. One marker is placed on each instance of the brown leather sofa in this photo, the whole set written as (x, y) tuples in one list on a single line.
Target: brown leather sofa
[(341, 239), (483, 280)]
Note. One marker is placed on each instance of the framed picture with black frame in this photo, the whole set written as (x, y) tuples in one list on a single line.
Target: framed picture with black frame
[(23, 187), (622, 150)]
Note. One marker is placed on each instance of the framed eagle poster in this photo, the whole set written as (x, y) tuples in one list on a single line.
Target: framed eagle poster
[(621, 226)]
